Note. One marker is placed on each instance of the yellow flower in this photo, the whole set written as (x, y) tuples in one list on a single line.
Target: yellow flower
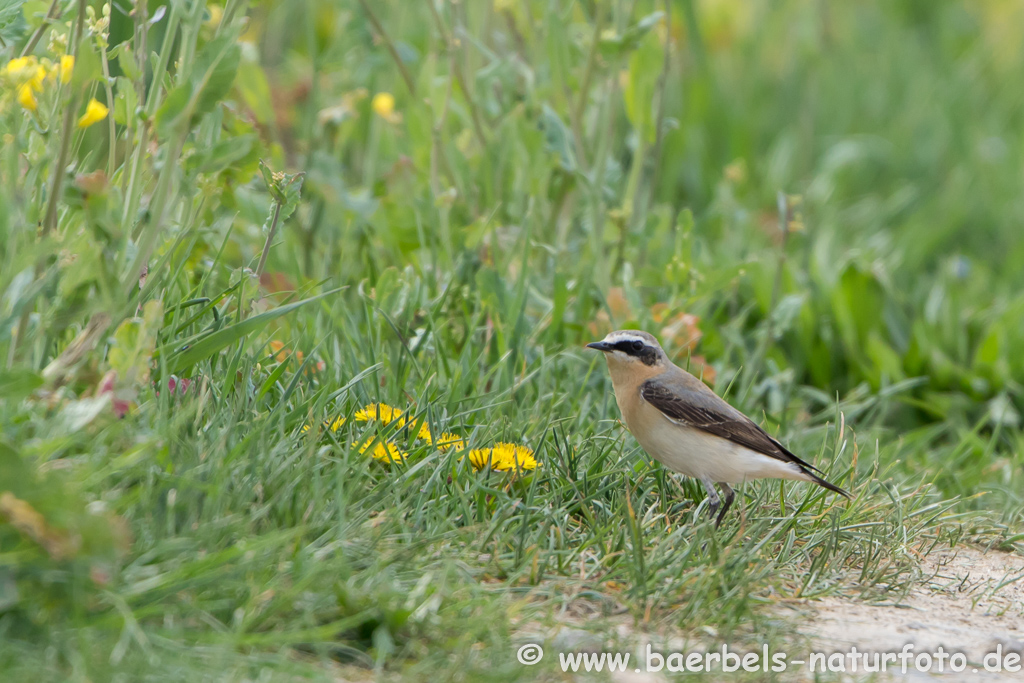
[(378, 411), (27, 98), (424, 430), (67, 65), (425, 433), (503, 457), (26, 70), (383, 104), (448, 440), (216, 14), (94, 113), (17, 67), (334, 426), (385, 451)]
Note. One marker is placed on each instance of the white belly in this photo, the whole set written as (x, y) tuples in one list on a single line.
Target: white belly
[(701, 455)]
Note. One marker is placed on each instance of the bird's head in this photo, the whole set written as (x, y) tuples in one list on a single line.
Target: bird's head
[(631, 349)]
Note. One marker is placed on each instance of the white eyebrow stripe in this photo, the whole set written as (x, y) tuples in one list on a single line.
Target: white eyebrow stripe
[(612, 339)]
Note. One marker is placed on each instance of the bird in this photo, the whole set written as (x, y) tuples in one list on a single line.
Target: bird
[(683, 424)]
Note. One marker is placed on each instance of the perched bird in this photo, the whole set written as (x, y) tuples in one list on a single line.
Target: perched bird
[(684, 425)]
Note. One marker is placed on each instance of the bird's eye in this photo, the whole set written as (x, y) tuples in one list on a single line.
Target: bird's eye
[(638, 346)]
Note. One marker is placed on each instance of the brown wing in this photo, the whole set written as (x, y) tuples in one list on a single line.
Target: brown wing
[(692, 409)]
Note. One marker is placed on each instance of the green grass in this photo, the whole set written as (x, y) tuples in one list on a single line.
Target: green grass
[(831, 190)]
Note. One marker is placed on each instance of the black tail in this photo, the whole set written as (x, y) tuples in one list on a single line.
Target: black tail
[(827, 484), (810, 470)]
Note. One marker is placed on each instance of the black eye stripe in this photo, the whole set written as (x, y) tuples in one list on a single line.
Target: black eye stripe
[(637, 349), (630, 346)]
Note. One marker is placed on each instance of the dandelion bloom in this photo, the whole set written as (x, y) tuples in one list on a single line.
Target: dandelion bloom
[(378, 411), (94, 113), (503, 457), (334, 426), (424, 431), (385, 451), (448, 440)]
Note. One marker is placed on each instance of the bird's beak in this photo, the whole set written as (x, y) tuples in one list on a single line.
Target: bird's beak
[(600, 346)]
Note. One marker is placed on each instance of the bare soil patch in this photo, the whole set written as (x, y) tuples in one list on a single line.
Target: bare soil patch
[(969, 601)]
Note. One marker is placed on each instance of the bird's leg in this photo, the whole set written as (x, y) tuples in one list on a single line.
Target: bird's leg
[(713, 500), (730, 496)]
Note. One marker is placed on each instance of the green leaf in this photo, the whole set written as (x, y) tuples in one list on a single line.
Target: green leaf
[(223, 154), (202, 347), (213, 72), (617, 45), (557, 138), (644, 66), (134, 343), (88, 68), (284, 188), (126, 60), (18, 383), (208, 83), (125, 102), (11, 23), (255, 90)]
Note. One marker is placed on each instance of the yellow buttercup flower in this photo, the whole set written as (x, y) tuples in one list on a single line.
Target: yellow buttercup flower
[(27, 75), (67, 65), (385, 451), (378, 411), (383, 104), (503, 457), (94, 113), (19, 67), (26, 97)]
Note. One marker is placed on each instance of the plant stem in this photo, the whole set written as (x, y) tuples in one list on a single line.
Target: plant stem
[(270, 239), (478, 128), (51, 15), (50, 219), (409, 83)]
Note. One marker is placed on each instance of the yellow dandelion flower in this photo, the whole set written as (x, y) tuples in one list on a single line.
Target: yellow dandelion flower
[(448, 440), (383, 104), (424, 433), (378, 411), (334, 426), (385, 451), (503, 457), (480, 458), (67, 65), (26, 97), (94, 113)]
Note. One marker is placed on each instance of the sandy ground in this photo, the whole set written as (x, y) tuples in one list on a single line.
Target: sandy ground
[(972, 602), (968, 601)]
